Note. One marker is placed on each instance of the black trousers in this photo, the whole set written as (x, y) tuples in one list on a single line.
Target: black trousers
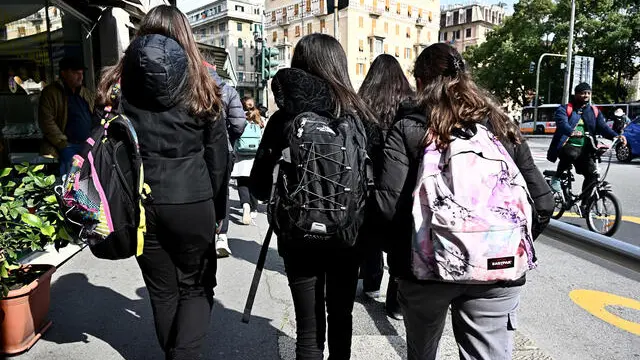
[(372, 269), (179, 265), (324, 277), (245, 195), (581, 159)]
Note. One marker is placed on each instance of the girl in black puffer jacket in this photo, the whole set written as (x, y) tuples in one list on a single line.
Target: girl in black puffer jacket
[(383, 90), (483, 314)]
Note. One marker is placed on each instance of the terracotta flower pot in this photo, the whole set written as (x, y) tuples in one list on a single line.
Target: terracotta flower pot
[(23, 313)]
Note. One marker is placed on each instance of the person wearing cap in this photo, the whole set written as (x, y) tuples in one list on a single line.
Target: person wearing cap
[(573, 122), (620, 120), (64, 113)]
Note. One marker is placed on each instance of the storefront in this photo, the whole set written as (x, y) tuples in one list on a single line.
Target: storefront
[(34, 36)]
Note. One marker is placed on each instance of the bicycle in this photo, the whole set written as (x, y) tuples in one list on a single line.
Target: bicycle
[(601, 205)]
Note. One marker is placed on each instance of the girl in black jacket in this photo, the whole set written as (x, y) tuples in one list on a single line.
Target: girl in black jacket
[(174, 106), (483, 315), (318, 82), (383, 90)]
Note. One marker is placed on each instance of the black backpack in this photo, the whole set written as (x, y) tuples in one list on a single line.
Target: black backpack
[(322, 181), (101, 196)]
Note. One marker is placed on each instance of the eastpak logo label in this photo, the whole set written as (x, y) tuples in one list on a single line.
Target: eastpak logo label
[(501, 263)]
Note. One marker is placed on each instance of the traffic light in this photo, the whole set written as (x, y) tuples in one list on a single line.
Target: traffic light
[(269, 62), (532, 67)]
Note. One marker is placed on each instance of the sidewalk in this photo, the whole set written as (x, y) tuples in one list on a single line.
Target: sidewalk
[(100, 310)]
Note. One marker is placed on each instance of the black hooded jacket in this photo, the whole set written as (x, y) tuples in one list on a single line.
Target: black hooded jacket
[(185, 158), (396, 182)]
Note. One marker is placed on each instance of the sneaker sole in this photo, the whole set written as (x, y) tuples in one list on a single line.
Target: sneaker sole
[(223, 253)]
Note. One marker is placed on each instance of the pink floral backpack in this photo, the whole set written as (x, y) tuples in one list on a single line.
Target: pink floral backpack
[(472, 214)]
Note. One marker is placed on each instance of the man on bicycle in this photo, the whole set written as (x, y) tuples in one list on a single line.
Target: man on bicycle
[(570, 145)]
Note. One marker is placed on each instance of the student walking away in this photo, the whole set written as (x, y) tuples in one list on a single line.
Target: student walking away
[(446, 251), (65, 113), (246, 149), (175, 108), (235, 120), (384, 89), (318, 202)]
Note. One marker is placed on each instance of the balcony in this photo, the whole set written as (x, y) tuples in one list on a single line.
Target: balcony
[(283, 43), (420, 23), (374, 12), (283, 22)]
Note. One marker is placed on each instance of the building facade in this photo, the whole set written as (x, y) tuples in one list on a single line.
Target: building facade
[(231, 24), (367, 28), (468, 25)]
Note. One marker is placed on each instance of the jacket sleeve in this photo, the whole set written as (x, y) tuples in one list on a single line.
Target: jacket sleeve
[(538, 188), (216, 156), (269, 153), (393, 173), (562, 121), (236, 119), (603, 129), (47, 113)]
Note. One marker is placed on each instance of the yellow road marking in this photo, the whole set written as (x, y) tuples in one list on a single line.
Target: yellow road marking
[(632, 219), (596, 302)]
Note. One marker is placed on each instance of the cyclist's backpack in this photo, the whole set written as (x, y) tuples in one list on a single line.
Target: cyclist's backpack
[(101, 196), (321, 182), (248, 143), (471, 212)]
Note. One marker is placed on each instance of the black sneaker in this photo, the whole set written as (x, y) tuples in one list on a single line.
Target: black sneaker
[(393, 311)]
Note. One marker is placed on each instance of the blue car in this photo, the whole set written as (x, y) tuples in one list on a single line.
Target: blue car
[(631, 150)]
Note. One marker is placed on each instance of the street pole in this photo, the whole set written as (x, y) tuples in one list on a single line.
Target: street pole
[(535, 104), (335, 20), (567, 76)]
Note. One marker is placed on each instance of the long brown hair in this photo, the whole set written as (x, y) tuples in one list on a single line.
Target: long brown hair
[(453, 100), (202, 94)]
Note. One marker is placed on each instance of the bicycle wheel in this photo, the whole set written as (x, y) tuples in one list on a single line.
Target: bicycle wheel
[(558, 207), (604, 214)]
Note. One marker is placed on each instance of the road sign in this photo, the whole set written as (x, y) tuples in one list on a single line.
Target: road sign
[(582, 70)]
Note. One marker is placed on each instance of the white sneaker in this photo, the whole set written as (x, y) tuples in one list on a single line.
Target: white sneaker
[(254, 214), (222, 246), (246, 214)]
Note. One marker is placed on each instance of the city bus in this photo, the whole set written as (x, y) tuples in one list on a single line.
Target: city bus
[(546, 124)]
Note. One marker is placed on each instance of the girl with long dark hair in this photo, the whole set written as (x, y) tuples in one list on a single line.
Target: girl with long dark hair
[(174, 105), (483, 315), (384, 89), (317, 82)]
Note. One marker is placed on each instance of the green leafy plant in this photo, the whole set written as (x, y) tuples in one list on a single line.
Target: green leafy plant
[(29, 220)]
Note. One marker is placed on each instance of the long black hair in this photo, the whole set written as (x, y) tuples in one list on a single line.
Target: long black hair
[(323, 56), (385, 88), (453, 99)]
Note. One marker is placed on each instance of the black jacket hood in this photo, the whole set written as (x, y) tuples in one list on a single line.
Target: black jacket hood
[(296, 91), (409, 109), (154, 72)]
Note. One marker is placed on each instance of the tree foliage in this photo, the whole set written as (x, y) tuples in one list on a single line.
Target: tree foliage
[(608, 30)]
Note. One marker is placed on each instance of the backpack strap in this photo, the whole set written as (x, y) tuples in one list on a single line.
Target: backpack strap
[(596, 111)]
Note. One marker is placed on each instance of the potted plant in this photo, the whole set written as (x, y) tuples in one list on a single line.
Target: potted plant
[(29, 220)]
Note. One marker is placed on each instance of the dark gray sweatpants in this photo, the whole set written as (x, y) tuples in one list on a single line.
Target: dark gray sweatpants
[(483, 318)]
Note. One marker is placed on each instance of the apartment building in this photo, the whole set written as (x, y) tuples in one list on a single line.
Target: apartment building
[(367, 28), (467, 25), (230, 24)]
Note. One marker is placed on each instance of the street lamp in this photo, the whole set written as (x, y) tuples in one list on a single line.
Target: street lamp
[(567, 75), (535, 109)]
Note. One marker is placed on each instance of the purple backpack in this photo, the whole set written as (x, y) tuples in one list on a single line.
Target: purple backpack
[(472, 214)]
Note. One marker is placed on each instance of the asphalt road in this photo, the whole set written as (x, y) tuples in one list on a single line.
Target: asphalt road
[(624, 178), (100, 310)]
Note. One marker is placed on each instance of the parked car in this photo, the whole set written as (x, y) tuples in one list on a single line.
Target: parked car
[(631, 150)]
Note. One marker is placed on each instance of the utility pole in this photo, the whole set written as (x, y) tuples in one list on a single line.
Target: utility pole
[(335, 20), (567, 75), (535, 109)]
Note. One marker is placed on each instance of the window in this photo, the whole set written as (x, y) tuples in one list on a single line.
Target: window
[(297, 30), (407, 53), (373, 24), (212, 30), (397, 29), (398, 51), (223, 27), (239, 43), (469, 15), (361, 45), (409, 11), (430, 16), (456, 18), (323, 25), (241, 60), (457, 34), (221, 42), (386, 48), (360, 22), (274, 37), (362, 2), (251, 60), (446, 33), (386, 27), (296, 9), (360, 70), (273, 16), (387, 5), (467, 33), (428, 36), (377, 47), (239, 8), (308, 5), (239, 26), (309, 28), (285, 32), (408, 32), (399, 9), (240, 74)]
